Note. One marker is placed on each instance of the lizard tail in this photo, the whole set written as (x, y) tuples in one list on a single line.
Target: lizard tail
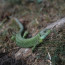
[(20, 25)]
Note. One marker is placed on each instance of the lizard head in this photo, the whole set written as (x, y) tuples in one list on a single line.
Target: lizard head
[(44, 34)]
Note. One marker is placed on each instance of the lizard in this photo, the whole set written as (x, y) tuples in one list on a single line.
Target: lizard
[(23, 42)]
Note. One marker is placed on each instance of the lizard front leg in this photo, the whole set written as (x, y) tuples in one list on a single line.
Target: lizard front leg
[(33, 48)]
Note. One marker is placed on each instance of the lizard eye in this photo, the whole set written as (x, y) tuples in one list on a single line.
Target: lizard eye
[(45, 31)]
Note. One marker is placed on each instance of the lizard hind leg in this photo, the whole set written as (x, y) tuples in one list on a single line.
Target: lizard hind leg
[(25, 34)]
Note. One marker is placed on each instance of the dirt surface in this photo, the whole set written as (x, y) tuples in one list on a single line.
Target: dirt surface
[(34, 17)]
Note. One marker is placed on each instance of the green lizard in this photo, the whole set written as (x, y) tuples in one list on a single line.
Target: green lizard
[(29, 42)]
